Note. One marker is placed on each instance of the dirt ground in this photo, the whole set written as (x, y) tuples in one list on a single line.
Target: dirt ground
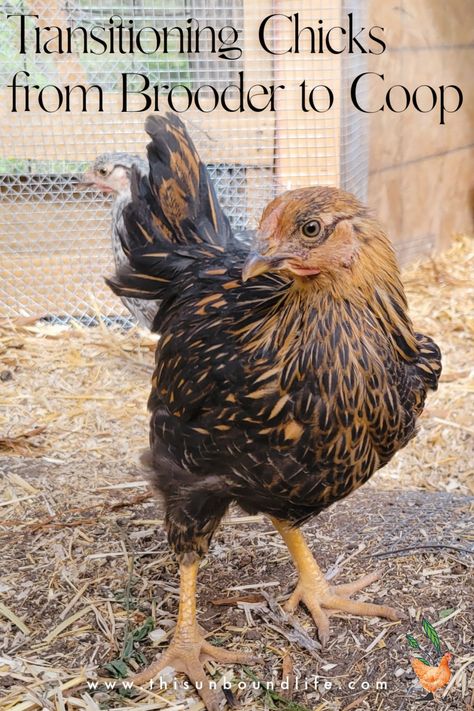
[(87, 580)]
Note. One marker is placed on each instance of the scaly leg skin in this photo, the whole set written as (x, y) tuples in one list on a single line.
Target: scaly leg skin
[(321, 598), (189, 650)]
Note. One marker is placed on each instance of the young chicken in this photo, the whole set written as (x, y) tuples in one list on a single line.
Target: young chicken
[(284, 379), (110, 174)]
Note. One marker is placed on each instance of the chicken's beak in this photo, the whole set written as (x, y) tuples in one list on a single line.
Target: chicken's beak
[(87, 180), (255, 264)]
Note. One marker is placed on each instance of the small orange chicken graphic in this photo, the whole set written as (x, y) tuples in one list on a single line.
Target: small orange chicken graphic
[(433, 678)]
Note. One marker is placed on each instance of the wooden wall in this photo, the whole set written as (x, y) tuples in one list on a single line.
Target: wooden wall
[(421, 174)]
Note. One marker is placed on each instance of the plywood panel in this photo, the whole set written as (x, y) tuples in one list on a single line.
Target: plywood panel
[(421, 172), (411, 135), (424, 23), (422, 205)]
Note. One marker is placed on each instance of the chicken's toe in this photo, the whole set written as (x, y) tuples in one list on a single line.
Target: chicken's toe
[(322, 600), (187, 654)]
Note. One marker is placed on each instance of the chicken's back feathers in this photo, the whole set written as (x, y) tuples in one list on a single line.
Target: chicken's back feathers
[(143, 311), (174, 217)]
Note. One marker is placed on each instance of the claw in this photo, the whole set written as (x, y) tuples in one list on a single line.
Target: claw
[(189, 658), (322, 599)]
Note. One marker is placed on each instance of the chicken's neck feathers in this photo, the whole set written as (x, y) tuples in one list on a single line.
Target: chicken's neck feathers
[(300, 316)]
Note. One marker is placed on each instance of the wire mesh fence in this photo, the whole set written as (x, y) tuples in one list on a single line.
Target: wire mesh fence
[(54, 238)]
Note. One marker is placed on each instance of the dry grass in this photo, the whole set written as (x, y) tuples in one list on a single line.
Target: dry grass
[(84, 560)]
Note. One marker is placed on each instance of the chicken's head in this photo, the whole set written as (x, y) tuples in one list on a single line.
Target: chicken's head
[(312, 235), (110, 173)]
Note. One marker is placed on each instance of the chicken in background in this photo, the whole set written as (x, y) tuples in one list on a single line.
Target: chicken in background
[(284, 379), (111, 174)]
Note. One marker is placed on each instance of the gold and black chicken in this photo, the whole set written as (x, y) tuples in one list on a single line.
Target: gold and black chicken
[(284, 377)]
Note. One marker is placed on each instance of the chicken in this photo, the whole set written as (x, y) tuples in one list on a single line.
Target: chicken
[(433, 678), (111, 174), (284, 378)]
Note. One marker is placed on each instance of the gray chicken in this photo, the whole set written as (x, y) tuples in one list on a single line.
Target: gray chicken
[(110, 174)]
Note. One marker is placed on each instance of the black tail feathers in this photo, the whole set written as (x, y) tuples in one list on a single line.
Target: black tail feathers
[(174, 214), (182, 196)]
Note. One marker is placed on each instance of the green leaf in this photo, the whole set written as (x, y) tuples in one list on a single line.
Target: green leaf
[(412, 642), (128, 647), (424, 661), (445, 613), (117, 669), (432, 635), (142, 632), (139, 657)]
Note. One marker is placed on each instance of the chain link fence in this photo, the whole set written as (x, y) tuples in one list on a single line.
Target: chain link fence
[(54, 238)]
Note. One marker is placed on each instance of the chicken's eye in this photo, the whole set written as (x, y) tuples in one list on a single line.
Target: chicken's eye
[(103, 171), (311, 228)]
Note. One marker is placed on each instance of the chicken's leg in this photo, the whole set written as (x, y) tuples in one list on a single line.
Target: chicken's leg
[(189, 650), (317, 594)]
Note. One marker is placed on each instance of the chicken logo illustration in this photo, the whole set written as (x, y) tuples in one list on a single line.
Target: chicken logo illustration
[(431, 677)]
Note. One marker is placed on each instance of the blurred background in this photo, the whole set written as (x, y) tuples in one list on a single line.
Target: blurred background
[(414, 173)]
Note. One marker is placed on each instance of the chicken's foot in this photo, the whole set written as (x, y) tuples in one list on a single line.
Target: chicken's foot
[(188, 650), (321, 598)]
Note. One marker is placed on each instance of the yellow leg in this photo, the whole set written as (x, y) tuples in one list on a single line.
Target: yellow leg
[(317, 594), (189, 650)]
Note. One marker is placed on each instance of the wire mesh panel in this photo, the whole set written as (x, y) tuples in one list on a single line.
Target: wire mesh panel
[(54, 238)]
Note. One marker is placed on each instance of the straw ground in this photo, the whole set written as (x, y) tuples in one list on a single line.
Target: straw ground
[(88, 587)]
